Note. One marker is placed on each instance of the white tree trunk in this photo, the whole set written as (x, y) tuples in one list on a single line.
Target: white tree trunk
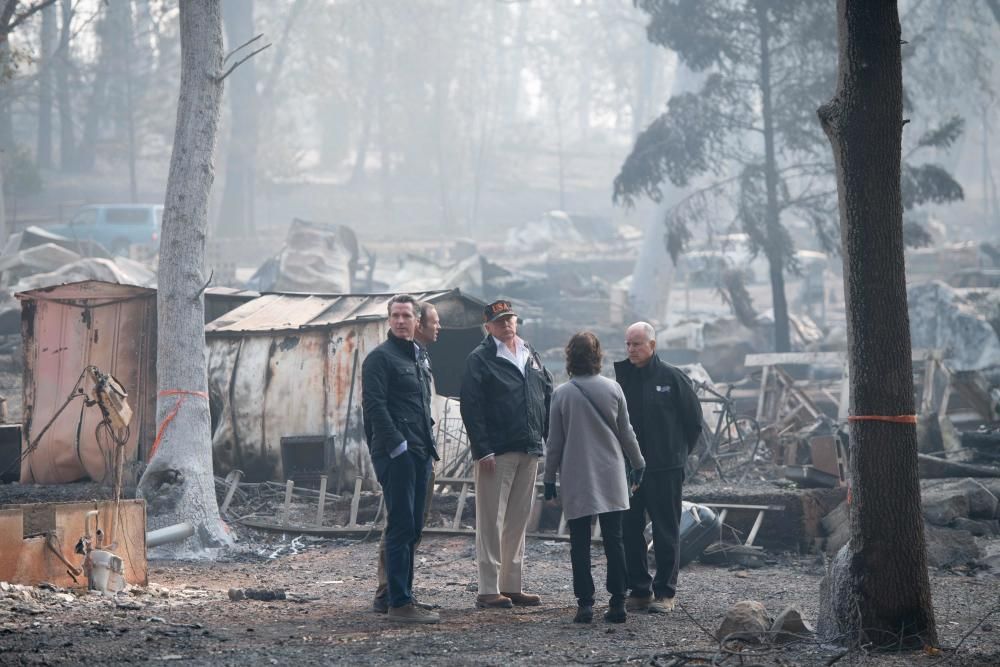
[(179, 484)]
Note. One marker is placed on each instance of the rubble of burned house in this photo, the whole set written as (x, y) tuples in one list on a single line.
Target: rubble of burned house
[(284, 351)]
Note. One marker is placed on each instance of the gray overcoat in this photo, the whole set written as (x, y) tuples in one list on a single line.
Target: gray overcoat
[(585, 451)]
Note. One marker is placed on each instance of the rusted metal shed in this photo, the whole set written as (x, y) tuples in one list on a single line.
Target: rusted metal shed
[(66, 328), (289, 365)]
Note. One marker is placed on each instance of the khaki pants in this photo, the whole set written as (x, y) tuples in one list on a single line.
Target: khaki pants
[(503, 505), (382, 592)]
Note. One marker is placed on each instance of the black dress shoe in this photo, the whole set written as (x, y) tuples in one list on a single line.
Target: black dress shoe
[(584, 614), (615, 613)]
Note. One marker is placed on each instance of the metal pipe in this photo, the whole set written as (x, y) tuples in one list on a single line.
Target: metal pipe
[(175, 533)]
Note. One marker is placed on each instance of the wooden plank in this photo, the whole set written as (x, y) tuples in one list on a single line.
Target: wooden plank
[(729, 506), (355, 501), (460, 509), (234, 483), (790, 358), (364, 530), (322, 500), (818, 358), (761, 398), (286, 508), (470, 480), (844, 405), (756, 527), (927, 401), (779, 402)]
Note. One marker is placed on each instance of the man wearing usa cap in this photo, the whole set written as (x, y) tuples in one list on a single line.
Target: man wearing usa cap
[(505, 406)]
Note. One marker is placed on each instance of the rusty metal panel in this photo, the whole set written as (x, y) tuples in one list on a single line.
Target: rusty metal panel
[(27, 557), (294, 393), (66, 328), (236, 374), (266, 387), (349, 426)]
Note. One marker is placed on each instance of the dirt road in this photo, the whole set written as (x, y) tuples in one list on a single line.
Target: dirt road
[(185, 616)]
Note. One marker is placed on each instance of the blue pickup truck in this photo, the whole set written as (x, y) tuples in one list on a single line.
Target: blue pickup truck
[(115, 226)]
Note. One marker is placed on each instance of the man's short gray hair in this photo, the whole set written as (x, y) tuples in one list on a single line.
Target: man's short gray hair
[(646, 328), (404, 298)]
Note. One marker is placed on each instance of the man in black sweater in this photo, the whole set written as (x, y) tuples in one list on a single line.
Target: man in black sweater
[(666, 415), (396, 402)]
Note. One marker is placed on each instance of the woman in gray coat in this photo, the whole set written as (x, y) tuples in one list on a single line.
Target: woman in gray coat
[(589, 431)]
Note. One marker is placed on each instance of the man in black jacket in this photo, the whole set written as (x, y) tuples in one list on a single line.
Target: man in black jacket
[(428, 328), (505, 406), (666, 415), (396, 401)]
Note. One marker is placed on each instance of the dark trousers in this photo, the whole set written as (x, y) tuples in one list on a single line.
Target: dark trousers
[(579, 553), (404, 481), (382, 592), (660, 498)]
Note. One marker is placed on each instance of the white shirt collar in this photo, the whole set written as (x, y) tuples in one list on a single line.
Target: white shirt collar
[(520, 355)]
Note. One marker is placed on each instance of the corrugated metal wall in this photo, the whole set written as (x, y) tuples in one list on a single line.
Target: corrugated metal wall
[(263, 387)]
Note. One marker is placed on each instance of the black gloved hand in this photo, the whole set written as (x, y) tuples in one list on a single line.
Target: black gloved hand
[(635, 477), (550, 490)]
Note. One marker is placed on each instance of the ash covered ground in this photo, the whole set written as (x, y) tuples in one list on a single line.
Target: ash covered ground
[(185, 614)]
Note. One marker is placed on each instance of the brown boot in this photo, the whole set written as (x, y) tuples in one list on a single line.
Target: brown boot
[(638, 603), (524, 599), (661, 605), (411, 614), (493, 601)]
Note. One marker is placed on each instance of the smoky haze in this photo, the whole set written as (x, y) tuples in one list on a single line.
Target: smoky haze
[(437, 130)]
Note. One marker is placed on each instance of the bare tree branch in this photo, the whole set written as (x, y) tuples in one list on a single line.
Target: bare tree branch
[(239, 62), (241, 46), (7, 26), (5, 16)]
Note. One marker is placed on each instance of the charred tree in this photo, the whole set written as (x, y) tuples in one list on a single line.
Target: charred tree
[(879, 588), (178, 485), (236, 213)]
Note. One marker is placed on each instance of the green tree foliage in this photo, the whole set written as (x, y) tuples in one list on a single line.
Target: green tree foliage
[(748, 143)]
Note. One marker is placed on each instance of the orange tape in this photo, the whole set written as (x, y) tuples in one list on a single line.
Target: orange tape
[(898, 419), (183, 395)]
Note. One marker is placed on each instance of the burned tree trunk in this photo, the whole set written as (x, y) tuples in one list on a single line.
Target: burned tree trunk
[(178, 484), (880, 591)]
